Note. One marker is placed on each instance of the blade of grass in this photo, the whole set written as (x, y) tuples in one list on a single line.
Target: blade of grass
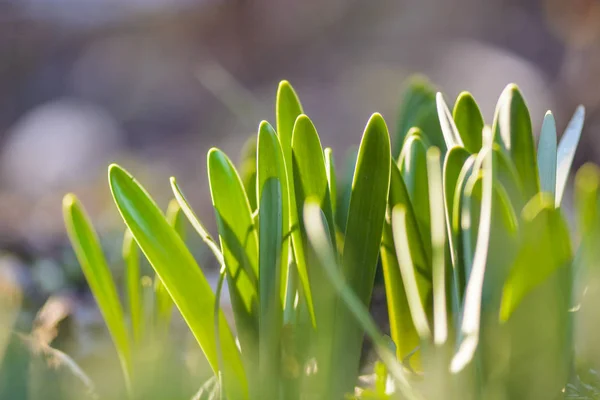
[(239, 244), (364, 229), (164, 303), (273, 217), (331, 177), (449, 129), (566, 152), (402, 329), (512, 130), (413, 166), (196, 224), (547, 155), (271, 164), (180, 274), (472, 304), (271, 312), (288, 109), (87, 248), (407, 269), (469, 121), (132, 280), (318, 235), (438, 243)]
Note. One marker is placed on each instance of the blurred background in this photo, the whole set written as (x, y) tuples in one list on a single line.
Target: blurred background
[(153, 84)]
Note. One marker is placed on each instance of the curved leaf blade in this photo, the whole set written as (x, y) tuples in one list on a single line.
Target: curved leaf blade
[(469, 121), (566, 152), (547, 155), (87, 248), (180, 274)]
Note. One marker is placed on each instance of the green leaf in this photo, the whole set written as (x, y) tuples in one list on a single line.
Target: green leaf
[(362, 240), (310, 180), (310, 174), (536, 300), (271, 312), (318, 235), (239, 244), (438, 245), (449, 130), (458, 239), (402, 329), (413, 166), (469, 121), (418, 110), (470, 324), (271, 164), (512, 129), (546, 247), (164, 303), (180, 274), (288, 109), (87, 248), (331, 177), (566, 151), (407, 269), (196, 224), (455, 159), (547, 155), (132, 280)]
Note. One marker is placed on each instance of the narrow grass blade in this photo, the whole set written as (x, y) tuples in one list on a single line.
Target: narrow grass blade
[(272, 258), (239, 240), (164, 303), (507, 175), (287, 110), (132, 284), (413, 166), (97, 273), (471, 317), (402, 329), (180, 274), (469, 121), (512, 130), (407, 269), (438, 246), (362, 240), (271, 312), (196, 224), (449, 129), (547, 155), (566, 152), (331, 177), (310, 174), (318, 235), (239, 244), (310, 181), (455, 159), (271, 164)]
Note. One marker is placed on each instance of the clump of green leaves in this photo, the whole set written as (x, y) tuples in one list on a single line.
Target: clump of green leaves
[(478, 262)]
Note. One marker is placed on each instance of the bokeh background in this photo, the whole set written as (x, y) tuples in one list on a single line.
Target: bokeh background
[(153, 84)]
